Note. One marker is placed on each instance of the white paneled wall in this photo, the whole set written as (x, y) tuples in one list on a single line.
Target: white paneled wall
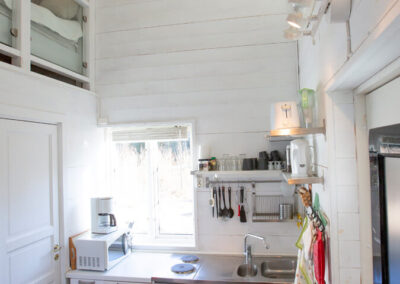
[(325, 65), (321, 58), (37, 98), (383, 105), (218, 63), (339, 195)]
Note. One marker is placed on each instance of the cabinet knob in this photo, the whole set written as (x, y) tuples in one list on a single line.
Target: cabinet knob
[(14, 32)]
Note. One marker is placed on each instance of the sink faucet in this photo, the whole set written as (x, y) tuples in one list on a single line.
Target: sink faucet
[(247, 248)]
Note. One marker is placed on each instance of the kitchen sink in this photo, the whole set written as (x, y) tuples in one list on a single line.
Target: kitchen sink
[(282, 268), (247, 270), (277, 269)]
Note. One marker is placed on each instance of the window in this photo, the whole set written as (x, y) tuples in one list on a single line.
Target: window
[(152, 185)]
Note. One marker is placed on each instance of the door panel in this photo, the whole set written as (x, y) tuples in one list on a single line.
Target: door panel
[(33, 259), (32, 161), (392, 183), (28, 203)]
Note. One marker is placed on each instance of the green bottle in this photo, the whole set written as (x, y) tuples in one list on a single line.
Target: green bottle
[(307, 105)]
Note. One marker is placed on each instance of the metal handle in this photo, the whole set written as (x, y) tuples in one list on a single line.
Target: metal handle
[(57, 248)]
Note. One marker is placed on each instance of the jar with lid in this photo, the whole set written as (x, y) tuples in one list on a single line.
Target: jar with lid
[(212, 165), (204, 164)]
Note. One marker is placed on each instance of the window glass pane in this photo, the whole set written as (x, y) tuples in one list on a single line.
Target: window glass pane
[(57, 33), (7, 10), (175, 188), (131, 185)]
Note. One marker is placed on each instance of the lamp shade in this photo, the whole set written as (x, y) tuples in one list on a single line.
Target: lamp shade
[(301, 3), (292, 33), (296, 20)]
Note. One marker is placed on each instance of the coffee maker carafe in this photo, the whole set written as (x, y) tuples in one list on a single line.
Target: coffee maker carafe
[(103, 218)]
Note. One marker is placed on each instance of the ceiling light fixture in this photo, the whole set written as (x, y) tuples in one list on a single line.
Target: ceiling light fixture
[(294, 34), (296, 20), (301, 3)]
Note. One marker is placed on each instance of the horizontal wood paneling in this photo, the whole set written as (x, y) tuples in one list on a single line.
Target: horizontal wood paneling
[(140, 14), (219, 63), (196, 36), (204, 99), (108, 3), (365, 17), (261, 52), (266, 66), (213, 83), (229, 111)]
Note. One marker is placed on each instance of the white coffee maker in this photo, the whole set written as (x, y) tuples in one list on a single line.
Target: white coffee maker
[(103, 218)]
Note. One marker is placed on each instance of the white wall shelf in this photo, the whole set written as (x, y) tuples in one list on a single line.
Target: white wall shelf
[(256, 173), (252, 177), (289, 133), (302, 180)]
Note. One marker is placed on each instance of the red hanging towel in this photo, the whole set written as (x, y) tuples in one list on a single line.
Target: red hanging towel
[(319, 258)]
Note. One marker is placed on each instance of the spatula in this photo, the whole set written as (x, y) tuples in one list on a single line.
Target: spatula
[(243, 218)]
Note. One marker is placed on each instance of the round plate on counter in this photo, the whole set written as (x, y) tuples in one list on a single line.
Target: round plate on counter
[(190, 258), (183, 268)]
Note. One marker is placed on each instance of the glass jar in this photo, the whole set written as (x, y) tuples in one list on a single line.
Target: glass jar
[(212, 165), (235, 163), (240, 161), (204, 164)]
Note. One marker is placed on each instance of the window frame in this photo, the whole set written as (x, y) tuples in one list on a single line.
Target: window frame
[(21, 53), (158, 241)]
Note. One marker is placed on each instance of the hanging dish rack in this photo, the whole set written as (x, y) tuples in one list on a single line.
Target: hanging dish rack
[(266, 208)]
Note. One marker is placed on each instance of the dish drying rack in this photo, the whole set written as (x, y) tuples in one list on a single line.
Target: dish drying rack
[(266, 207)]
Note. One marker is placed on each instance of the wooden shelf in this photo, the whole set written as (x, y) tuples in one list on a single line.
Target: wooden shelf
[(301, 180), (288, 132)]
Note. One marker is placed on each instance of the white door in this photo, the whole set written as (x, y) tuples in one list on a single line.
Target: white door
[(29, 229)]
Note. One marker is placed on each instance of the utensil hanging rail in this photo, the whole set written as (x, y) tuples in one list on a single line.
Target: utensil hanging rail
[(211, 182)]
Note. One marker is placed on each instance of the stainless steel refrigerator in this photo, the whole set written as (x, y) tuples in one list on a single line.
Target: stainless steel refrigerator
[(385, 203)]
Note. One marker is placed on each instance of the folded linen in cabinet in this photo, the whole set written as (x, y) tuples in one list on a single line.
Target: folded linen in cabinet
[(69, 29)]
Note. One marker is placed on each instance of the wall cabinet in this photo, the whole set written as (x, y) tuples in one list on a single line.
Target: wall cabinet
[(53, 40)]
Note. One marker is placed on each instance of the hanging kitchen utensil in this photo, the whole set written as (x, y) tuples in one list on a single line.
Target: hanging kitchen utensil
[(212, 201), (219, 202), (319, 258), (243, 218), (231, 212), (216, 203), (225, 211)]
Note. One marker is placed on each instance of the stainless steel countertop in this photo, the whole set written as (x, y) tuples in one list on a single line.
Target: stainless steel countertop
[(142, 267), (222, 269)]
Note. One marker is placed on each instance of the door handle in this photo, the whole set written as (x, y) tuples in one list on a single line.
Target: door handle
[(57, 248)]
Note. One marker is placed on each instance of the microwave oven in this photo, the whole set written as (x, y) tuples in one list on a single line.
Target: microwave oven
[(101, 252)]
